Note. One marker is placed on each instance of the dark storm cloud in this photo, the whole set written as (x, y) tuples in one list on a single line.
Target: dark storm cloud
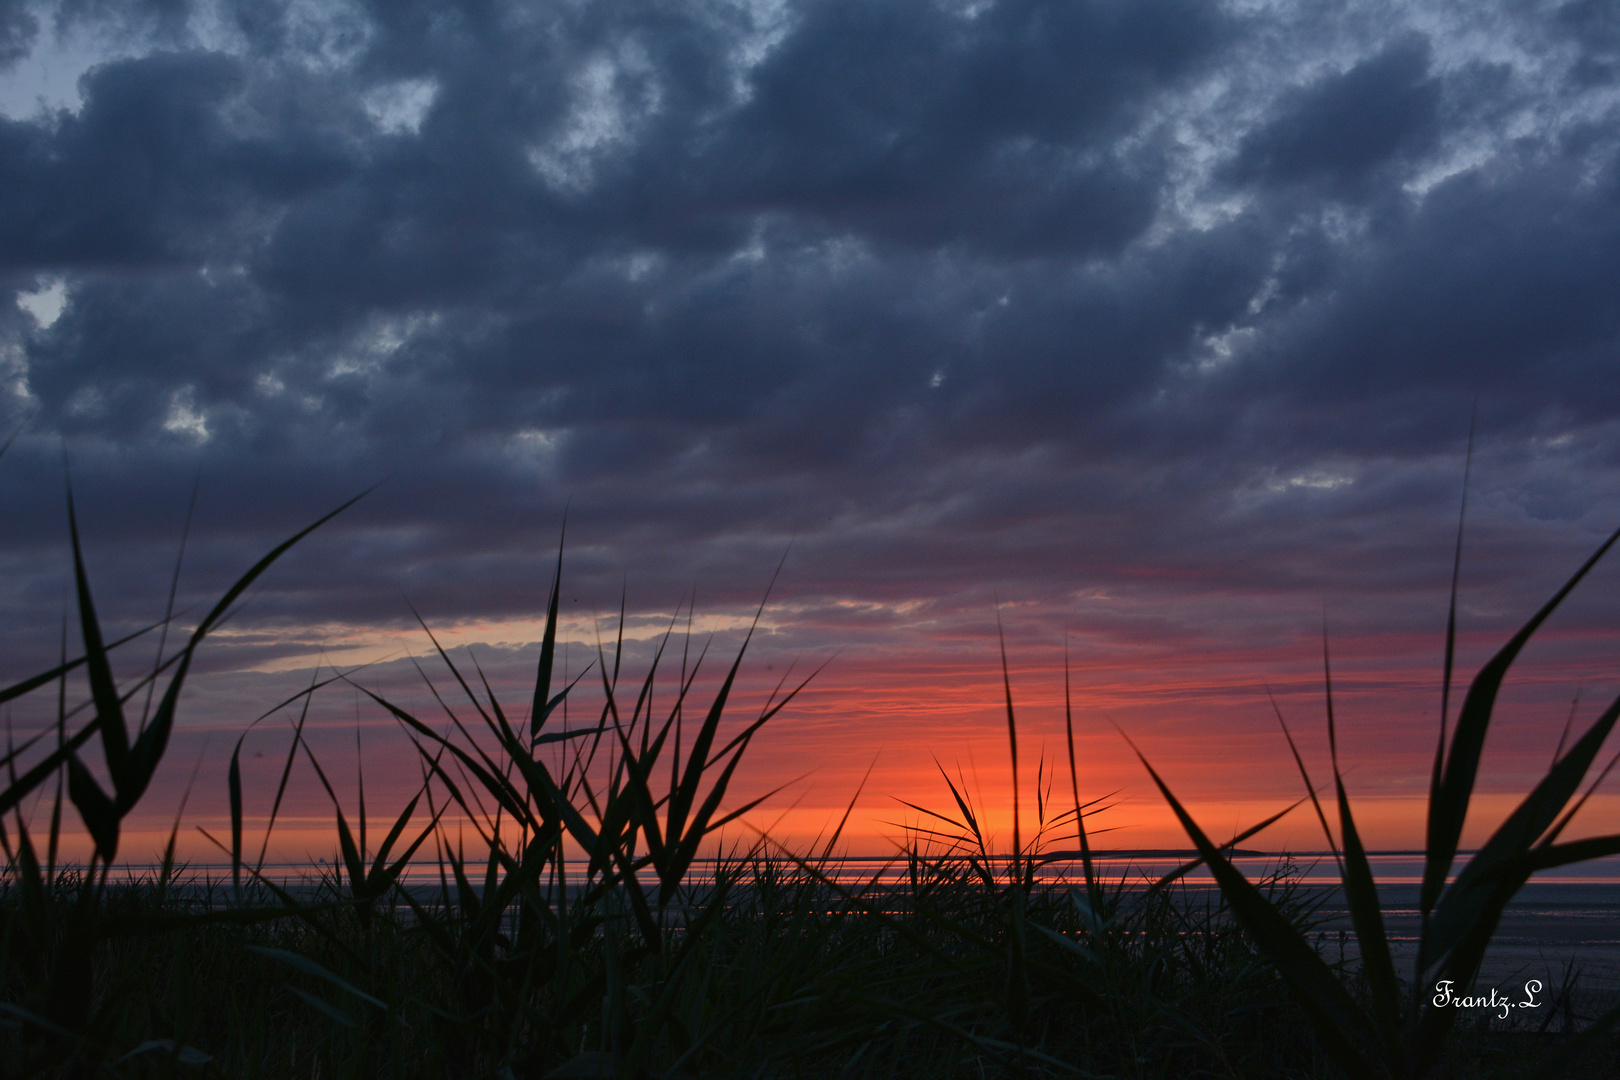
[(18, 28), (1157, 297), (1346, 125)]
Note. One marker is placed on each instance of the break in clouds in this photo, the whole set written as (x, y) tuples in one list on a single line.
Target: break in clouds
[(1143, 317)]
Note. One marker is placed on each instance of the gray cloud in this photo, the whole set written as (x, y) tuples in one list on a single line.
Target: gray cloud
[(1344, 126), (1157, 299)]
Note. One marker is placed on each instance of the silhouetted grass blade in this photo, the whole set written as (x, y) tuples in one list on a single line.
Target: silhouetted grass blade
[(1450, 808), (1462, 903), (1361, 894), (109, 710), (233, 786), (1340, 1021), (100, 813), (543, 704)]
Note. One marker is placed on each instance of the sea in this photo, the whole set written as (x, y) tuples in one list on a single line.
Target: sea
[(1555, 954), (1556, 948)]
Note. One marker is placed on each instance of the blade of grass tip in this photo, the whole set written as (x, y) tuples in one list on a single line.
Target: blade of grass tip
[(103, 691), (489, 722), (233, 786), (1192, 864), (168, 610), (439, 845), (832, 840), (1462, 905), (610, 683), (1569, 815), (167, 867), (433, 764), (1343, 1025), (492, 864), (680, 700), (548, 642), (769, 712), (360, 780), (1447, 814), (384, 876), (1433, 879), (246, 580), (961, 803), (455, 721), (148, 749), (61, 741), (1040, 795), (286, 772), (1569, 724), (508, 736), (351, 854), (1012, 741), (684, 794), (618, 637), (34, 682), (701, 825), (566, 735), (1018, 988), (644, 697), (682, 797), (663, 643), (1305, 777), (394, 833), (1093, 890), (961, 827), (1361, 893)]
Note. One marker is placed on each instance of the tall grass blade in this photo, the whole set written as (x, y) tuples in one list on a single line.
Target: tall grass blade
[(1093, 887), (541, 708), (1432, 883), (1344, 1027), (310, 967), (233, 788), (1361, 894), (168, 608), (286, 767), (98, 811), (1259, 827), (1018, 988), (1463, 903), (1310, 788), (34, 682), (20, 788), (103, 691), (1449, 808)]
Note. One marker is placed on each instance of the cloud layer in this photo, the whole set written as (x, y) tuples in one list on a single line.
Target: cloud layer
[(1160, 321)]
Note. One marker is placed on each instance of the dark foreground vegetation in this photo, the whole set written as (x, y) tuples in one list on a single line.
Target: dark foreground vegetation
[(636, 957)]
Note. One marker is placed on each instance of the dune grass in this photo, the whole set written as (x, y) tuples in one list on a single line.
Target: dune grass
[(572, 927), (1398, 1029)]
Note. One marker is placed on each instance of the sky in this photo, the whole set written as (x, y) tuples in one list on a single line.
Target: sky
[(1155, 330)]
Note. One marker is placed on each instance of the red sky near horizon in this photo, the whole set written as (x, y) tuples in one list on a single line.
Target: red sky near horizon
[(1176, 331), (1201, 716)]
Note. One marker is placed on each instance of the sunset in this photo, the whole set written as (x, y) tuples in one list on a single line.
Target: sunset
[(1119, 381)]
